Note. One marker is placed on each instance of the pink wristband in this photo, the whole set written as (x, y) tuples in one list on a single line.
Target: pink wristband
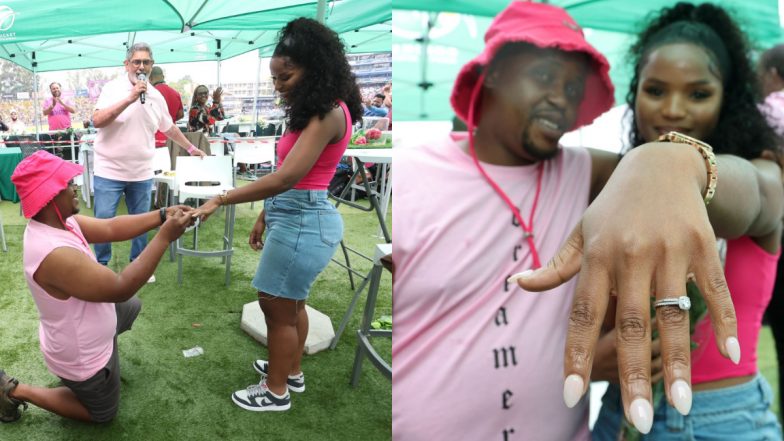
[(191, 148)]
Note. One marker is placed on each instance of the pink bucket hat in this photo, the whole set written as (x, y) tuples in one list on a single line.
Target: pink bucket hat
[(39, 178), (544, 26)]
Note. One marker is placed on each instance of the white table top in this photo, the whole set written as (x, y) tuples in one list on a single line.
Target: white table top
[(381, 156)]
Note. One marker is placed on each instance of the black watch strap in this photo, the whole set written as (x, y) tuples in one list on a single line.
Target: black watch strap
[(163, 215)]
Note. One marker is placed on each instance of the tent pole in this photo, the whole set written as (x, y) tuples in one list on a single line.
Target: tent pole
[(256, 92), (36, 109), (218, 55), (321, 11)]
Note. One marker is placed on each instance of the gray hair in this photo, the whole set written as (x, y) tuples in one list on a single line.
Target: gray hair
[(141, 46)]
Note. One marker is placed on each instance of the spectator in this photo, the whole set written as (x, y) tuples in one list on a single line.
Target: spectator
[(58, 111), (82, 306), (388, 102), (376, 107), (173, 101), (771, 73), (201, 117), (16, 126), (125, 145)]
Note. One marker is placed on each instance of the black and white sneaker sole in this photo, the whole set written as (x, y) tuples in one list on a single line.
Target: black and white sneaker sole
[(271, 408), (292, 387)]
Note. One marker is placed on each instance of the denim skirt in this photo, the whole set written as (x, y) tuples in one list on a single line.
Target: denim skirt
[(303, 230), (736, 413)]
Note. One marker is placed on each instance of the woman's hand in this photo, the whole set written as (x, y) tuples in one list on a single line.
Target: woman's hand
[(217, 95), (605, 362), (255, 240), (645, 235), (207, 208)]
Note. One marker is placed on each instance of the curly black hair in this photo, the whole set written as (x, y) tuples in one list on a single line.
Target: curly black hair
[(742, 129), (327, 77)]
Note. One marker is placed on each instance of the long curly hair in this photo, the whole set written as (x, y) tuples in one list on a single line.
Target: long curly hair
[(741, 129), (327, 74)]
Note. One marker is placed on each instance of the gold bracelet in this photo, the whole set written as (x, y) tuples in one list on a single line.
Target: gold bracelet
[(707, 155), (224, 197)]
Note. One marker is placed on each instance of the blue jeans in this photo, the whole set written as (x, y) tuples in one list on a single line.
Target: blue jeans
[(107, 196), (736, 413)]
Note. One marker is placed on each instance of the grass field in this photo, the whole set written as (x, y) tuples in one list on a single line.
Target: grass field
[(166, 396)]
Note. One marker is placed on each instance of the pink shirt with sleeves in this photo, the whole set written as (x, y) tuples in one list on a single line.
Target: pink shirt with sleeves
[(76, 336), (324, 169), (750, 272), (476, 358), (59, 118), (125, 147)]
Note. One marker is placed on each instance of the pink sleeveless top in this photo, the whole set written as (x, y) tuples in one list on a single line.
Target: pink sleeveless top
[(319, 176), (750, 272), (76, 336)]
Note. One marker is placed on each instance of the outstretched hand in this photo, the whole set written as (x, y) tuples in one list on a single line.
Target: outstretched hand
[(645, 235), (206, 209), (177, 220)]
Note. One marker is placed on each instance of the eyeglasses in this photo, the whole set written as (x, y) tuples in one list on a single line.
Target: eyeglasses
[(138, 63), (202, 93)]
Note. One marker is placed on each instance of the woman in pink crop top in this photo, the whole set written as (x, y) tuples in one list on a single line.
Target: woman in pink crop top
[(692, 76), (303, 229)]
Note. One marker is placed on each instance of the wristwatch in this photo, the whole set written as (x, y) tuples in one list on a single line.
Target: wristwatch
[(707, 155)]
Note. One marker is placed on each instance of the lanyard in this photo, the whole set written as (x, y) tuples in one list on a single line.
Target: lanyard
[(528, 229)]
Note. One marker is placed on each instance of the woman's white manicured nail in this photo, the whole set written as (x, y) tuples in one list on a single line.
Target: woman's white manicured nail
[(642, 415), (573, 390), (733, 349), (680, 392), (514, 277)]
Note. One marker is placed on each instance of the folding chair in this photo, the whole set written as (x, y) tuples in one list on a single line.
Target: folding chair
[(192, 173)]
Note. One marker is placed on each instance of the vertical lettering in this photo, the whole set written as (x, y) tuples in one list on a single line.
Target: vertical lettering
[(514, 221), (516, 249), (505, 357), (508, 433), (505, 397), (500, 317)]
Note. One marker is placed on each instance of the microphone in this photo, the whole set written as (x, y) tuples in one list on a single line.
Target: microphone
[(143, 95)]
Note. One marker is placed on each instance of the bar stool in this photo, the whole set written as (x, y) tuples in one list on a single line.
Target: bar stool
[(190, 171), (365, 333)]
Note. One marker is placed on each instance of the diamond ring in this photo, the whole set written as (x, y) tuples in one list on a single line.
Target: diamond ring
[(682, 302)]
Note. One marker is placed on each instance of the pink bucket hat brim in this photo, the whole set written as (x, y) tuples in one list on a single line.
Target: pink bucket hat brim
[(39, 178), (544, 26)]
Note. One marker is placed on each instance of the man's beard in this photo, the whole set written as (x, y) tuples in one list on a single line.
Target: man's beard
[(536, 153)]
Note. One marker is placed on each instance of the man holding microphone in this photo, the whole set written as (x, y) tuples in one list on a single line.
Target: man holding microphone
[(128, 112)]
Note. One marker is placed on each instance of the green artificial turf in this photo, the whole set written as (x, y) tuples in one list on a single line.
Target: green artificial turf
[(166, 396)]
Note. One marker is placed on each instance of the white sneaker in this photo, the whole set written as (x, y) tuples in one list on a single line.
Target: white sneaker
[(151, 279), (258, 398)]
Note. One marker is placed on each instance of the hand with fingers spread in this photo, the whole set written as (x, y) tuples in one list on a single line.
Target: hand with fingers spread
[(641, 248)]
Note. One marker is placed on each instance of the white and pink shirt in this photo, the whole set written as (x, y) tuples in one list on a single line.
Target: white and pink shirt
[(76, 336), (475, 358), (125, 147)]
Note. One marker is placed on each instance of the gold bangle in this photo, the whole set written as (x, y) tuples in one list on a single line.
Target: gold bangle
[(224, 197), (707, 155)]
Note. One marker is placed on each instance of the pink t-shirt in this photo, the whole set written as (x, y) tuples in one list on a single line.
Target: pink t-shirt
[(476, 358), (60, 118), (324, 169), (750, 272), (125, 147), (76, 336), (773, 109)]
